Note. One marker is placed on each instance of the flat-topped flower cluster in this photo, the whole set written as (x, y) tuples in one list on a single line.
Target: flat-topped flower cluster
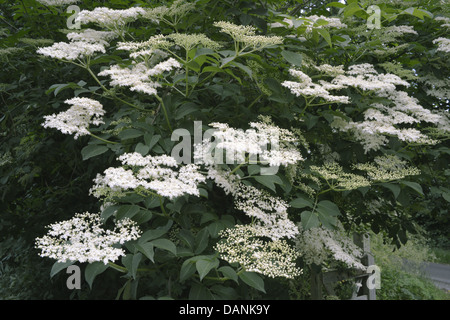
[(380, 119), (84, 239)]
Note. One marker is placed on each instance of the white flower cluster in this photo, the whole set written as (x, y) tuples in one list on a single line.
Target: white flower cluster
[(243, 245), (263, 140), (270, 212), (400, 30), (311, 22), (387, 168), (446, 21), (57, 2), (138, 77), (322, 21), (433, 86), (82, 239), (155, 174), (110, 18), (336, 177), (170, 15), (246, 35), (381, 120), (93, 36), (76, 119), (321, 245), (443, 44), (71, 51), (83, 43), (383, 169), (304, 86)]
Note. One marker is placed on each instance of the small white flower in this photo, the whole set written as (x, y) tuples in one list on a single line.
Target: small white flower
[(83, 239), (76, 119)]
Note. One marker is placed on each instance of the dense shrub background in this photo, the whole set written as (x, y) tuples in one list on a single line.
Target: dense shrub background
[(44, 179)]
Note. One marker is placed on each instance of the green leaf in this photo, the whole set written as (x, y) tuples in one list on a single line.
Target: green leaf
[(147, 249), (92, 150), (326, 35), (204, 266), (328, 211), (200, 292), (395, 189), (58, 266), (154, 233), (309, 220), (253, 169), (142, 148), (292, 57), (93, 270), (244, 68), (253, 280), (108, 212), (419, 13), (127, 211), (269, 181), (336, 4), (188, 268), (165, 244), (301, 203), (201, 240), (229, 272), (328, 207), (130, 134), (446, 196), (413, 185)]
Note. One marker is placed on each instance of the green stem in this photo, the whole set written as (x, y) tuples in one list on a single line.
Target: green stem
[(240, 165), (101, 139), (165, 111), (117, 267), (109, 91)]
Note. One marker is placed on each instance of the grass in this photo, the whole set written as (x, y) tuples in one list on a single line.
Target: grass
[(442, 255), (400, 284)]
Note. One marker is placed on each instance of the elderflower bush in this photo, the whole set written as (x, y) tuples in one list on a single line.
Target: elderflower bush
[(294, 145)]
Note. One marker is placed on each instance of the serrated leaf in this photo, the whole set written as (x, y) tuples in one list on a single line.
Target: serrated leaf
[(309, 220), (155, 233), (229, 272), (130, 134), (127, 211), (204, 266), (201, 240), (147, 249), (292, 57), (395, 189), (92, 150), (93, 270), (108, 212), (413, 185), (142, 149), (200, 292), (446, 196), (58, 266), (269, 181), (301, 203), (253, 280), (326, 35), (188, 268), (165, 244), (327, 207)]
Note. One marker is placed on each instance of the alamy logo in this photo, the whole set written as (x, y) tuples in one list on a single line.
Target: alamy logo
[(374, 20), (374, 280), (73, 281), (233, 147), (71, 21)]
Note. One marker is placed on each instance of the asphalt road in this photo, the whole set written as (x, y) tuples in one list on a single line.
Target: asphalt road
[(439, 274)]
